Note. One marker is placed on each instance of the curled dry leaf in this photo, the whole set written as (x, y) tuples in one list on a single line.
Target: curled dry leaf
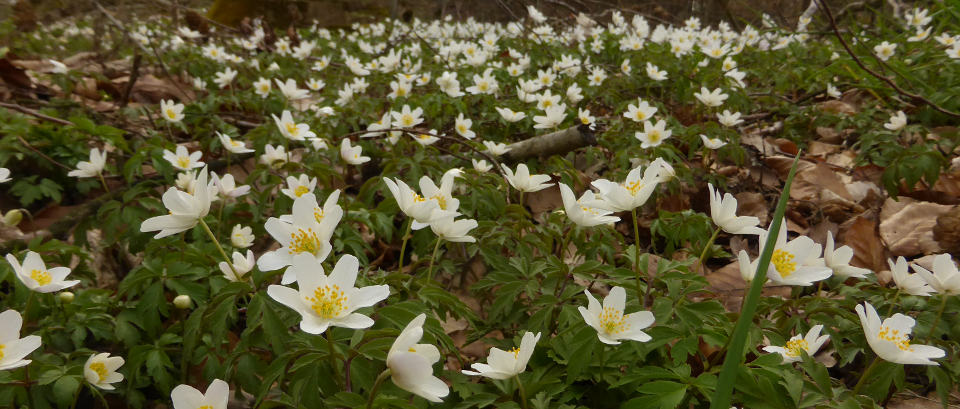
[(906, 225)]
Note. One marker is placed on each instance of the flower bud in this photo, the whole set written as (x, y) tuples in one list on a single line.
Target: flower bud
[(182, 302), (12, 218), (66, 297)]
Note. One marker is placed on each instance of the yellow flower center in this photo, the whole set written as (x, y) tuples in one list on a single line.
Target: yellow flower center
[(641, 115), (633, 187), (902, 340), (328, 302), (418, 199), (318, 214), (545, 80), (41, 277), (205, 407), (304, 241), (2, 346), (654, 136), (235, 143), (585, 120), (442, 201), (783, 261), (794, 347), (589, 210), (183, 162), (612, 321), (100, 369), (171, 113), (301, 190), (292, 129), (406, 120), (461, 128), (547, 103), (515, 351), (483, 86)]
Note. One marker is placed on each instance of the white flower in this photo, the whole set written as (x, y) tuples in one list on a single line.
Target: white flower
[(399, 89), (58, 67), (407, 118), (352, 154), (912, 284), (425, 138), (171, 111), (273, 156), (655, 73), (839, 260), (290, 129), (723, 211), (100, 370), (93, 168), (633, 192), (452, 230), (233, 145), (640, 112), (748, 269), (307, 230), (609, 320), (885, 50), (241, 263), (712, 143), (709, 98), (584, 212), (945, 278), (35, 275), (897, 121), (481, 165), (584, 116), (324, 301), (290, 90), (574, 93), (414, 205), (653, 135), (552, 117), (216, 397), (315, 84), (833, 92), (13, 348), (182, 159), (797, 262), (809, 343), (241, 236), (729, 119), (506, 364), (535, 14), (495, 148), (299, 186), (523, 181), (510, 116), (5, 175), (411, 364), (228, 186), (890, 339), (462, 126), (225, 77), (262, 87), (186, 209)]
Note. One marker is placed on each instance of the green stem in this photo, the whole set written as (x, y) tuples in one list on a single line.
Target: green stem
[(603, 348), (76, 397), (376, 387), (103, 182), (432, 259), (219, 248), (26, 381), (403, 246), (706, 248), (865, 375), (894, 302), (641, 295), (943, 304), (523, 394), (333, 359)]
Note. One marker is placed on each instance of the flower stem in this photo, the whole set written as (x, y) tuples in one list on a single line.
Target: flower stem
[(943, 304), (376, 387), (865, 375), (219, 248), (523, 394), (706, 248), (641, 295), (603, 348), (333, 359), (432, 259), (403, 246), (894, 302), (103, 182)]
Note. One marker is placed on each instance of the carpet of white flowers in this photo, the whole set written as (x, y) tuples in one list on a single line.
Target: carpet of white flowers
[(320, 218)]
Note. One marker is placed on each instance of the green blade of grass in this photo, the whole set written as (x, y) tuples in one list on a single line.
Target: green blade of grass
[(734, 357)]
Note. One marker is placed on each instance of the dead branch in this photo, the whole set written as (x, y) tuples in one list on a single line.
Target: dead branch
[(555, 143)]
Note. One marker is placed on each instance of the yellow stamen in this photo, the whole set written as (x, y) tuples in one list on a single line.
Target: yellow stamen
[(794, 347), (902, 341), (41, 277), (301, 190), (100, 369), (2, 346), (784, 263), (183, 162), (304, 241), (442, 201), (633, 187), (612, 321), (328, 302), (171, 113)]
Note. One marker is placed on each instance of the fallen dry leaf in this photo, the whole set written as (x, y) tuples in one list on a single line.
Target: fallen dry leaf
[(860, 233), (906, 225)]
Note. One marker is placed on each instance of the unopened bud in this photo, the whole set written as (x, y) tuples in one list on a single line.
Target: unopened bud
[(66, 297), (12, 218), (182, 302)]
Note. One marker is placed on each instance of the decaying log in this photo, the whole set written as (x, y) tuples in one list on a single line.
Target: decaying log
[(556, 143)]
